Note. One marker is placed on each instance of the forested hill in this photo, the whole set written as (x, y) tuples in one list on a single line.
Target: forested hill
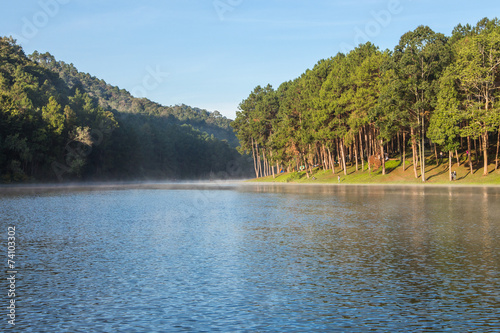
[(113, 98), (54, 128)]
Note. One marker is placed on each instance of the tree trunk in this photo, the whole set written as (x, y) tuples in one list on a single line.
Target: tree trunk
[(327, 159), (338, 154), (458, 159), (356, 152), (332, 162), (399, 145), (349, 154), (414, 151), (259, 172), (268, 168), (370, 144), (254, 160), (367, 144), (326, 162), (422, 158), (404, 150), (480, 144), (361, 151), (259, 163), (368, 152), (418, 147), (263, 169), (485, 153), (450, 156), (435, 153), (272, 167), (475, 149), (498, 147), (383, 156), (374, 141), (343, 156), (469, 159)]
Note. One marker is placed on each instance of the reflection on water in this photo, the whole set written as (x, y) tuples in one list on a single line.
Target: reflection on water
[(258, 258)]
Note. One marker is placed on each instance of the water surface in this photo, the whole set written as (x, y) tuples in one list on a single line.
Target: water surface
[(209, 257)]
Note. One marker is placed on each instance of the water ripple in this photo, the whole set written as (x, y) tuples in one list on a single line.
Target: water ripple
[(258, 258)]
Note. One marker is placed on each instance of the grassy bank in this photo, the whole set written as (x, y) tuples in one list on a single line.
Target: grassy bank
[(435, 174)]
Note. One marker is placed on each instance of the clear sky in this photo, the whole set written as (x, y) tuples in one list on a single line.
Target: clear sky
[(212, 53)]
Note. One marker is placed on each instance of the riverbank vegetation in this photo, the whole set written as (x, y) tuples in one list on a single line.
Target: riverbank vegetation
[(57, 123), (436, 173), (433, 95)]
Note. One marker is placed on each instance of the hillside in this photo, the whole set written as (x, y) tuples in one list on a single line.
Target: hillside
[(113, 98), (55, 126)]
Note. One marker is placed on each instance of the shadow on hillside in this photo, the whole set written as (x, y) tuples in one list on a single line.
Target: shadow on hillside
[(389, 170), (438, 174), (464, 176), (349, 172), (408, 165), (435, 167)]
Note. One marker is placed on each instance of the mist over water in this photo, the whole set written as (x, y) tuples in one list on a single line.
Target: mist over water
[(233, 257)]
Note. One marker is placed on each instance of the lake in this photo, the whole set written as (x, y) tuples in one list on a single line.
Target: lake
[(252, 258)]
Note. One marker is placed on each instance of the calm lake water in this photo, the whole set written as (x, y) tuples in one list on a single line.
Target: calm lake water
[(251, 258)]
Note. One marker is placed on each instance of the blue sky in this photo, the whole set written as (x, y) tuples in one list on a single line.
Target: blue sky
[(212, 53)]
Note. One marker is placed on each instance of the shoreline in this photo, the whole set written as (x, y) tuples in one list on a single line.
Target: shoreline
[(111, 185), (255, 181), (206, 185), (396, 175)]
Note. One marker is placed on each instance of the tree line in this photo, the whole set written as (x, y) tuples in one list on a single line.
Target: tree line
[(432, 92), (51, 130)]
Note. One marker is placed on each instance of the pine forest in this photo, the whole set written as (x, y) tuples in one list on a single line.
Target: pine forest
[(432, 93)]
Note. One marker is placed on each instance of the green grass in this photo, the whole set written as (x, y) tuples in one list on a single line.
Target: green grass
[(435, 174)]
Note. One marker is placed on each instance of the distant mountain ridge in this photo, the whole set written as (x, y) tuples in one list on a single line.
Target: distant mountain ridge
[(113, 98)]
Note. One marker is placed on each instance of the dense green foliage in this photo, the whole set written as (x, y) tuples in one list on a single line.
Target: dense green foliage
[(59, 124), (112, 98), (431, 91)]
